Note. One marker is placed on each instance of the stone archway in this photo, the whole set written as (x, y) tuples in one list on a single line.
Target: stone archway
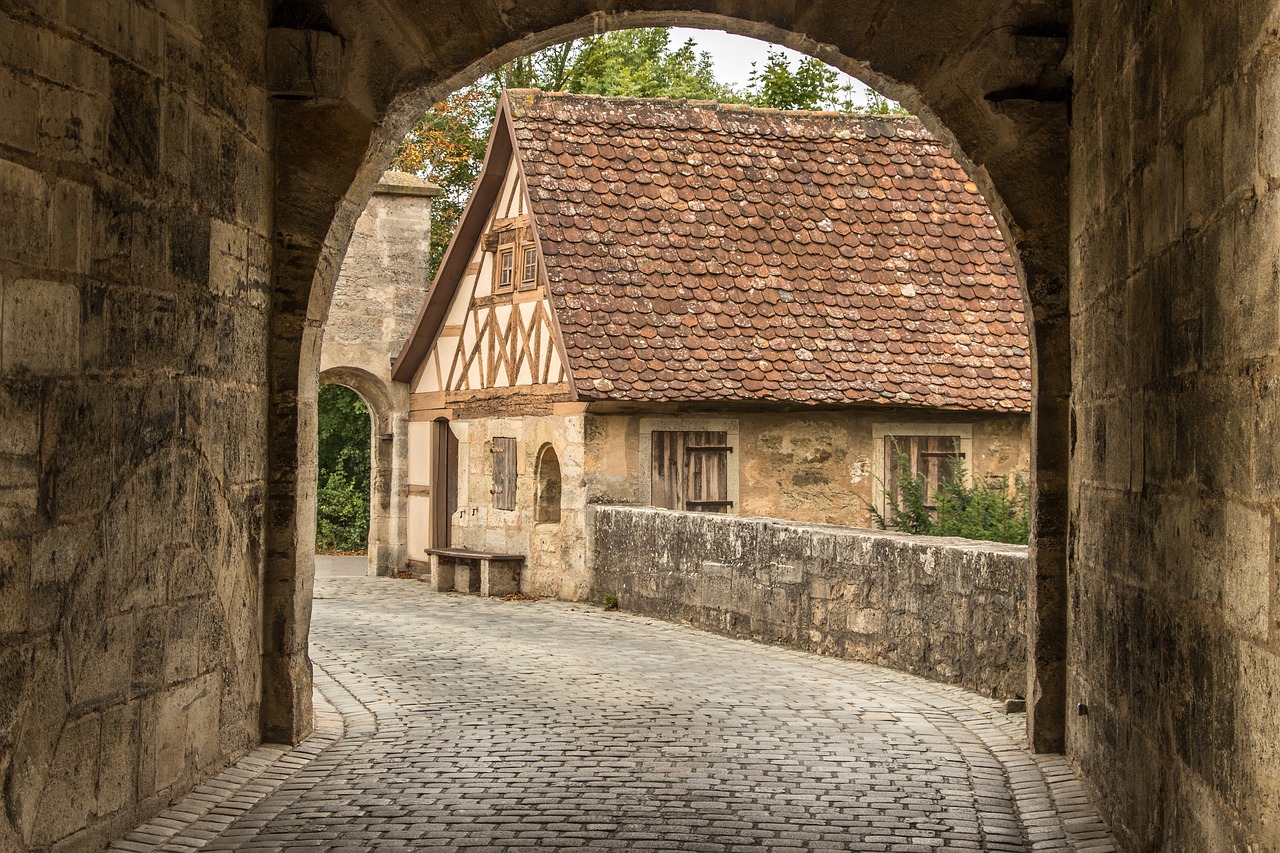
[(985, 76), (388, 455)]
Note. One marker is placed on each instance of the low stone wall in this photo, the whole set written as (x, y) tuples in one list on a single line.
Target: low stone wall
[(950, 610)]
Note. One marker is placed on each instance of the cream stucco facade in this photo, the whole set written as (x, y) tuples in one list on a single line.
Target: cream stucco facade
[(816, 466)]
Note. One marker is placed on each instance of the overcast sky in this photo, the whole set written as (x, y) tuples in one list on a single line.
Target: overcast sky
[(732, 55)]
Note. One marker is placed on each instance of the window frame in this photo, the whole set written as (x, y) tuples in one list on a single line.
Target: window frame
[(929, 429), (525, 249), (729, 426), (504, 251)]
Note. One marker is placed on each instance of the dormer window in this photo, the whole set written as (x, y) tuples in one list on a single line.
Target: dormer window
[(506, 269)]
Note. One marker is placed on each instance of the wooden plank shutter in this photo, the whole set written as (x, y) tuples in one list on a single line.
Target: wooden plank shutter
[(668, 451), (935, 458), (691, 471), (504, 473)]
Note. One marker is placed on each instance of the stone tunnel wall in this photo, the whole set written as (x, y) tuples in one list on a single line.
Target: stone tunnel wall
[(1175, 483), (135, 256), (949, 610)]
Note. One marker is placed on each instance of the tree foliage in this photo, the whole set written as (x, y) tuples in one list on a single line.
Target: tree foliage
[(447, 146), (643, 64), (811, 85), (342, 496), (989, 510)]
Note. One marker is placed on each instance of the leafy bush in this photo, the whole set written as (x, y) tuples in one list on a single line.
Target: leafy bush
[(988, 510), (342, 496)]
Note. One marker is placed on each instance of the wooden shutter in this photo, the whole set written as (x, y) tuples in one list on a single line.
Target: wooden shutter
[(691, 471), (504, 473)]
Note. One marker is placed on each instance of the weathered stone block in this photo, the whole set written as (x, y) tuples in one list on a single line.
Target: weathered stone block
[(116, 781), (186, 730), (19, 110), (72, 125), (41, 327), (24, 196), (69, 795), (43, 712), (182, 646), (15, 585)]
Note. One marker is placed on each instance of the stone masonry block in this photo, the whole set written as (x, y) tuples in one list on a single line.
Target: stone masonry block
[(19, 111), (70, 794), (1247, 559), (187, 729), (20, 427), (70, 226), (24, 197), (15, 585), (116, 788), (42, 711), (72, 124), (41, 327)]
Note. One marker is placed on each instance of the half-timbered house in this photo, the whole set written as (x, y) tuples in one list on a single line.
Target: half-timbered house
[(706, 308)]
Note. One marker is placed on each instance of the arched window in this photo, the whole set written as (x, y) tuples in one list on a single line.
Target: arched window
[(548, 476)]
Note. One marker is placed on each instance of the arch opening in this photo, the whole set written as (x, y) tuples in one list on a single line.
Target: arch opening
[(547, 500), (344, 487), (1034, 231)]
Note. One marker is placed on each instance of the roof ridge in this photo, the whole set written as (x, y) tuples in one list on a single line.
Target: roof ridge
[(705, 103)]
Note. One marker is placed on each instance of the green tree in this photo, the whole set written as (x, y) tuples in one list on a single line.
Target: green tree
[(811, 85), (342, 496), (642, 64)]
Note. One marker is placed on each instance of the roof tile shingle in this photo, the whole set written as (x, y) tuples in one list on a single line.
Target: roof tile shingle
[(699, 252)]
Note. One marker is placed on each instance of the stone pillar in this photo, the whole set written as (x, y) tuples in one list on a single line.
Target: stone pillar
[(320, 145), (380, 288), (1046, 609)]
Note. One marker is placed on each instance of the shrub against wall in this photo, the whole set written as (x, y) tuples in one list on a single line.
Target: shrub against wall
[(989, 510), (342, 497)]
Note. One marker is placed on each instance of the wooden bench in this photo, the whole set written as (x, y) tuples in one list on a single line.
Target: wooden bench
[(476, 572)]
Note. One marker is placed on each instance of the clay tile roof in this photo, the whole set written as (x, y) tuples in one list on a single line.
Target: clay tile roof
[(759, 254)]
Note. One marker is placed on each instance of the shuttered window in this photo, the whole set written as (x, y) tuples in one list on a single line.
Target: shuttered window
[(935, 459), (691, 471), (504, 473)]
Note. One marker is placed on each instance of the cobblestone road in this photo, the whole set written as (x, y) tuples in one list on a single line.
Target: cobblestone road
[(457, 723)]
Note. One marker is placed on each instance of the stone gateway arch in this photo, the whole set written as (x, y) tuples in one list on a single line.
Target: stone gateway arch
[(180, 180)]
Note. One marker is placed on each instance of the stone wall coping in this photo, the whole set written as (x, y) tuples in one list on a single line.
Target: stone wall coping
[(950, 542), (400, 183)]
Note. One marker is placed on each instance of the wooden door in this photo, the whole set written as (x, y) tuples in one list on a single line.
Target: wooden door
[(444, 483)]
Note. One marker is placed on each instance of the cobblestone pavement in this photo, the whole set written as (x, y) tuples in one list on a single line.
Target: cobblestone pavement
[(450, 722)]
